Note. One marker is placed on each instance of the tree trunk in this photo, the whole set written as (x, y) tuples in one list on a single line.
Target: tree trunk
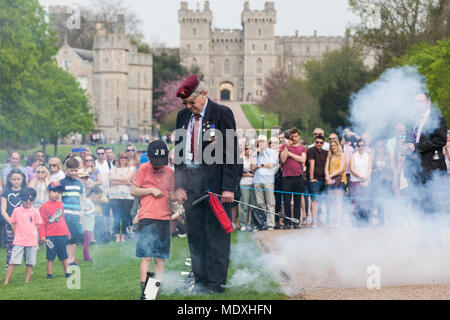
[(55, 150)]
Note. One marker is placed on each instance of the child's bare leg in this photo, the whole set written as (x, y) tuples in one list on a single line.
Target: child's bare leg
[(65, 264), (144, 268), (159, 268), (49, 266), (9, 272), (29, 271)]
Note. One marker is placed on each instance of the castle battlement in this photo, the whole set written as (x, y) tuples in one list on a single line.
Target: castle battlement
[(186, 15), (142, 59), (111, 41)]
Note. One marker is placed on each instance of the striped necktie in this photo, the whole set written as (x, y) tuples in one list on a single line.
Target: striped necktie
[(194, 136)]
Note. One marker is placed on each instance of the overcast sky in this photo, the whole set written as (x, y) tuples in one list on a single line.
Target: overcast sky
[(160, 17)]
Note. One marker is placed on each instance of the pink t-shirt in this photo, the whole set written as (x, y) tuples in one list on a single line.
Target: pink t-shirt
[(291, 167), (26, 220)]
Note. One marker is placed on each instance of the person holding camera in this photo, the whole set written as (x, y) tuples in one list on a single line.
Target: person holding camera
[(293, 156), (264, 178)]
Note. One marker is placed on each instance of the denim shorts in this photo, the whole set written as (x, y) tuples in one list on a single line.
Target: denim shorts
[(73, 223), (316, 188), (59, 248), (153, 239)]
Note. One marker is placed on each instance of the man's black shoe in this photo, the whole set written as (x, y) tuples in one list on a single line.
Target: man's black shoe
[(296, 226), (277, 227), (286, 227)]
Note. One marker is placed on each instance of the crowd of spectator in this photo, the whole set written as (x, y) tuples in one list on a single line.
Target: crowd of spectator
[(330, 182)]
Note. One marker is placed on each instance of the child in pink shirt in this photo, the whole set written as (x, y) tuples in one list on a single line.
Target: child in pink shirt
[(25, 221)]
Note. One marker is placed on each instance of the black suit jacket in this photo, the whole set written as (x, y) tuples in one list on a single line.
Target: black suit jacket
[(433, 138), (218, 176)]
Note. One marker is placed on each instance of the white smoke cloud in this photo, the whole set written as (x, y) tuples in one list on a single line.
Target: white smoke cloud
[(405, 250)]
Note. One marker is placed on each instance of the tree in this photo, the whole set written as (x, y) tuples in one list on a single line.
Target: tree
[(289, 99), (63, 107), (110, 13), (433, 62), (25, 45), (392, 26), (167, 101), (333, 79)]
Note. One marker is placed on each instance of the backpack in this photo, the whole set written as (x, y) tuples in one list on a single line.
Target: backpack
[(259, 219)]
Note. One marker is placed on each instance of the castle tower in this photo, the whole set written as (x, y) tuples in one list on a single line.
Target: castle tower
[(259, 47), (111, 83), (195, 35)]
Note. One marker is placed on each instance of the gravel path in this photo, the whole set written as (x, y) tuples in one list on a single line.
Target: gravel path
[(329, 264)]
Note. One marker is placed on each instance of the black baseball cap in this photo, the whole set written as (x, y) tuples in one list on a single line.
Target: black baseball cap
[(55, 186), (158, 153)]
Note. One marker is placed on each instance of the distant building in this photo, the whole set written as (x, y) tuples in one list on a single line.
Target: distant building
[(235, 62), (118, 80)]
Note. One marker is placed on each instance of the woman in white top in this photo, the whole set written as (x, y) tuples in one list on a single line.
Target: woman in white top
[(56, 173), (360, 171), (246, 185), (121, 200), (40, 183)]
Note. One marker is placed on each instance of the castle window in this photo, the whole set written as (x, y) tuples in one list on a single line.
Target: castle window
[(254, 47), (200, 47), (265, 47), (259, 82), (241, 68), (259, 65), (213, 67), (117, 103), (66, 65), (194, 63), (307, 49), (145, 105), (226, 66), (194, 31), (188, 47), (259, 32)]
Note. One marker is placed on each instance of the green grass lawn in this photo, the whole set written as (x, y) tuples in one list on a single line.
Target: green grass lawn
[(253, 114), (114, 275)]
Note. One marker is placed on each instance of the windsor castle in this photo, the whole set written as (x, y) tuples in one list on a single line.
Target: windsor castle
[(119, 80)]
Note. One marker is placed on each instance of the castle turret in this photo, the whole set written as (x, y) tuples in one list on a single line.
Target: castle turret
[(195, 35), (259, 49), (111, 82)]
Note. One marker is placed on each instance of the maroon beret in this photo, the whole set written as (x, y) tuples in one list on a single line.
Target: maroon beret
[(188, 87)]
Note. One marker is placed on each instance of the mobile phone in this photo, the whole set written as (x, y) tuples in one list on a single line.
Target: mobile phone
[(75, 150)]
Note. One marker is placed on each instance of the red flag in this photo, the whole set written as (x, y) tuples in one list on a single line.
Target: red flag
[(219, 212)]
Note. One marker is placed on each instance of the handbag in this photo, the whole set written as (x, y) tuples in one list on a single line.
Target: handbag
[(337, 181)]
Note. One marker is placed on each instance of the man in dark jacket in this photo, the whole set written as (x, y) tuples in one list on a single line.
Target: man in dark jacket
[(205, 159), (425, 169), (426, 142)]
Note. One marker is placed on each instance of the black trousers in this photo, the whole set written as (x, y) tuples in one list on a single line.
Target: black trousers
[(278, 186), (209, 244), (297, 185)]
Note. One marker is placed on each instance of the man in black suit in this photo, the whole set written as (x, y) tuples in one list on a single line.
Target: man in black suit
[(195, 172), (426, 142)]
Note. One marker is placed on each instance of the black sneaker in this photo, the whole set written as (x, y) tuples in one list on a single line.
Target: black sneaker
[(49, 276), (286, 226)]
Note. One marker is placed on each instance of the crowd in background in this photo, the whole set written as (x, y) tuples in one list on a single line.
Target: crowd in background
[(334, 180)]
